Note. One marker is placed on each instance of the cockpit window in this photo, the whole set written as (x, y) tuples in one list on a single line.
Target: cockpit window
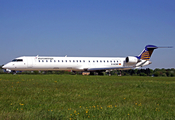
[(14, 60), (17, 60)]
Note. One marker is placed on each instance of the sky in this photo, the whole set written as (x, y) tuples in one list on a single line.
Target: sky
[(105, 28)]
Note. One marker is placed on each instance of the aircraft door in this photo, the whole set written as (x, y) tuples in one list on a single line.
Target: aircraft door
[(29, 62)]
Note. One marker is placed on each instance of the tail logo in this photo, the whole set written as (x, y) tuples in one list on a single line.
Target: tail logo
[(146, 55), (147, 52)]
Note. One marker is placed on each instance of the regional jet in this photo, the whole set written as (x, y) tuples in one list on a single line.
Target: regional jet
[(97, 64)]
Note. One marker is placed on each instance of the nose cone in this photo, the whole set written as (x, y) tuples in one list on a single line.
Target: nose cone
[(6, 66), (3, 66)]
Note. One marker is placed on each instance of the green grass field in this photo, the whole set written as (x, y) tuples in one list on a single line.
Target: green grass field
[(86, 97)]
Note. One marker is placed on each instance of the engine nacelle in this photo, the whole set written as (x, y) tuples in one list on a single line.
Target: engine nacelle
[(131, 60), (8, 70)]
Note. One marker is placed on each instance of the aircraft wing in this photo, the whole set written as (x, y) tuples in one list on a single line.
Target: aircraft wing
[(110, 68)]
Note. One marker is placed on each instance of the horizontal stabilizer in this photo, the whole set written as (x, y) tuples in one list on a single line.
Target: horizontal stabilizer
[(165, 47)]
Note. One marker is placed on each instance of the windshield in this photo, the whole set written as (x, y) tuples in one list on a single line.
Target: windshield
[(17, 60)]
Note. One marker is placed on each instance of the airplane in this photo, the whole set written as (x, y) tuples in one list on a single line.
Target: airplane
[(91, 64)]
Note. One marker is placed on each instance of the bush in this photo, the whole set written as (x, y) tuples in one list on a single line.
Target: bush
[(143, 74), (172, 75), (164, 75), (156, 74)]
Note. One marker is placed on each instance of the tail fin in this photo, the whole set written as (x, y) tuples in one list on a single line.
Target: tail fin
[(147, 52)]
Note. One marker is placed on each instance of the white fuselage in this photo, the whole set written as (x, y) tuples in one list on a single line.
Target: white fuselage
[(64, 63), (38, 63)]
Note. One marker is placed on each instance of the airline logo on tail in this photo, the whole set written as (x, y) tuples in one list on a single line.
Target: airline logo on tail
[(147, 52)]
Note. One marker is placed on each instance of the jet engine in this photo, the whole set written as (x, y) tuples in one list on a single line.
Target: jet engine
[(131, 60), (8, 70)]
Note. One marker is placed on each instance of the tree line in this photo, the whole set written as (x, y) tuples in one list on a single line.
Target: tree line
[(146, 72)]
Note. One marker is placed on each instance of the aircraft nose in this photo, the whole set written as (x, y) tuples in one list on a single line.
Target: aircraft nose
[(6, 66), (3, 66)]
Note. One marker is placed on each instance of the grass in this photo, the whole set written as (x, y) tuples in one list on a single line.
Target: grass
[(86, 97)]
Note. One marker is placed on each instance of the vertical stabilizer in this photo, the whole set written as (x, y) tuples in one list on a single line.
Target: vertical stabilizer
[(147, 52)]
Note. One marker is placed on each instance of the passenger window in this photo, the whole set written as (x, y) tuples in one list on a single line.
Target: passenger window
[(100, 61), (89, 61), (50, 60), (73, 60), (69, 60), (66, 60), (111, 61), (54, 60), (83, 60), (62, 61), (97, 60), (46, 61), (107, 61), (38, 60), (104, 61), (42, 60), (77, 60), (58, 60)]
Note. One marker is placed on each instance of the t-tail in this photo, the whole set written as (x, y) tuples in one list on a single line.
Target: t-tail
[(144, 57), (147, 52)]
